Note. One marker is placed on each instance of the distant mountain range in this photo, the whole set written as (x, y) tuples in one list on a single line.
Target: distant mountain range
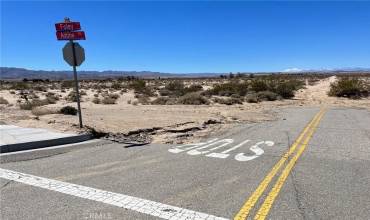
[(12, 73)]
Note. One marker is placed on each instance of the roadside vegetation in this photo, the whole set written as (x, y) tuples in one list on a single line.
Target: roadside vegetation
[(349, 87), (231, 89)]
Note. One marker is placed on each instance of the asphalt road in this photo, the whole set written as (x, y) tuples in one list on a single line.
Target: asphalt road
[(326, 176)]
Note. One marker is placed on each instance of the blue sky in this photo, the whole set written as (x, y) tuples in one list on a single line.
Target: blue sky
[(190, 36)]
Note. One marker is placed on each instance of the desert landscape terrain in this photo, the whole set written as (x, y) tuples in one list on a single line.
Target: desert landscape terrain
[(170, 110)]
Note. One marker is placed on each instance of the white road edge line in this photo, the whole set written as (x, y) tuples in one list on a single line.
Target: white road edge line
[(124, 201)]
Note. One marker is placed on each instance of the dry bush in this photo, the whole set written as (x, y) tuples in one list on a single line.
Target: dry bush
[(68, 110), (192, 99), (228, 89), (96, 100), (267, 96), (113, 96), (348, 87), (3, 101), (251, 98), (259, 85), (228, 101), (20, 86), (177, 89), (72, 97), (164, 101), (286, 89), (143, 99), (29, 105), (67, 84), (140, 87), (43, 111), (108, 101)]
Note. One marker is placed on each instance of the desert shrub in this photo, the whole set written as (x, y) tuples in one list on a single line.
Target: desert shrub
[(346, 87), (72, 97), (228, 101), (177, 89), (67, 84), (52, 98), (174, 86), (193, 88), (143, 99), (259, 85), (267, 96), (96, 100), (108, 101), (164, 92), (32, 95), (40, 102), (20, 86), (192, 99), (251, 98), (116, 85), (68, 110), (82, 92), (235, 96), (40, 88), (113, 96), (286, 90), (3, 101), (26, 106), (164, 101), (228, 89), (140, 87), (51, 94), (29, 105), (43, 111)]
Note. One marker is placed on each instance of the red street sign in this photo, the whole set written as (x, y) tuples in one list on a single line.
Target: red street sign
[(68, 26), (77, 35)]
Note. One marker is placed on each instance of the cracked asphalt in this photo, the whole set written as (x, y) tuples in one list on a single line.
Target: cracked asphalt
[(329, 181)]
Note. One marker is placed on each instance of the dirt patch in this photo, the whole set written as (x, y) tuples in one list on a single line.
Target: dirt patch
[(317, 94)]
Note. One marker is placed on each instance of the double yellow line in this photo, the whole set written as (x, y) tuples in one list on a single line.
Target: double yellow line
[(267, 204)]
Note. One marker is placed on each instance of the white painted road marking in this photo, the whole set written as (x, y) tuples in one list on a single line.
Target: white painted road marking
[(128, 202), (200, 149), (197, 152), (256, 149), (224, 154), (192, 146)]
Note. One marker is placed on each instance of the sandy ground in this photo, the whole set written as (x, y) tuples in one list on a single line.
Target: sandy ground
[(317, 95), (183, 121)]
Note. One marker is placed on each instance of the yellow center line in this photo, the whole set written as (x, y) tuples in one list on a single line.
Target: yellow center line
[(249, 204), (267, 204)]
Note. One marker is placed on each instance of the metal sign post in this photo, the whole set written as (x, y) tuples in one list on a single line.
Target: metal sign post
[(76, 83), (73, 53)]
